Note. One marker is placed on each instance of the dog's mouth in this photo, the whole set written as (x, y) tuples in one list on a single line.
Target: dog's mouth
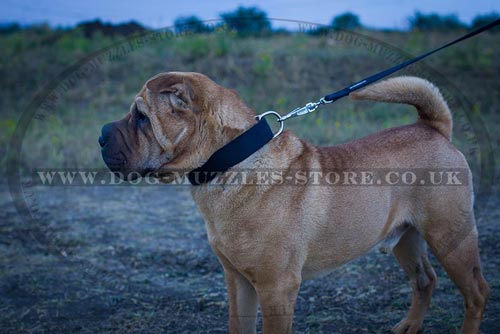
[(120, 168), (115, 162), (167, 177), (118, 164)]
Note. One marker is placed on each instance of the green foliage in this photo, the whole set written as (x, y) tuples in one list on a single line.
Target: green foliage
[(248, 21), (482, 20), (221, 45), (262, 64), (90, 28), (9, 28), (346, 21), (435, 22), (76, 41), (194, 47), (190, 24), (276, 73)]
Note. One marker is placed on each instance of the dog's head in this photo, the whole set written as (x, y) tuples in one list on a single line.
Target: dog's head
[(174, 124)]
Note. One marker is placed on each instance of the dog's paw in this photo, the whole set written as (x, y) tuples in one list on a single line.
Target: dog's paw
[(408, 326)]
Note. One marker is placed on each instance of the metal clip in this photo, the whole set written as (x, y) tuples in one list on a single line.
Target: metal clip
[(323, 101), (308, 108)]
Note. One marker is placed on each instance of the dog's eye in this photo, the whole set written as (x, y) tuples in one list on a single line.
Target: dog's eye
[(178, 100)]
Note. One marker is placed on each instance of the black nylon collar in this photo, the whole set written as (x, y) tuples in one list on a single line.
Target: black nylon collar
[(232, 153)]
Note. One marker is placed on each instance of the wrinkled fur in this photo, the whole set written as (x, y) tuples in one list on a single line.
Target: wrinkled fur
[(270, 238)]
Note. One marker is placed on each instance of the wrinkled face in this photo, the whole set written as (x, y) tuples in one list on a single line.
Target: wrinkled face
[(170, 127)]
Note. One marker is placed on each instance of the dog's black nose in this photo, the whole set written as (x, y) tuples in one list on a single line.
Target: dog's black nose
[(101, 141), (105, 134)]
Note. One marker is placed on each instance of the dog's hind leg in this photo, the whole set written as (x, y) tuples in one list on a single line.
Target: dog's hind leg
[(411, 253), (454, 241)]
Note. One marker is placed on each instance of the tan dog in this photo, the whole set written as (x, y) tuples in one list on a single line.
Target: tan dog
[(269, 238)]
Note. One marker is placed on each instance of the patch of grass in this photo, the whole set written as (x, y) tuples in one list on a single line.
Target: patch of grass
[(275, 73)]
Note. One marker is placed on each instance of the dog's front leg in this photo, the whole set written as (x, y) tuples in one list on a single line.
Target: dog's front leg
[(277, 302), (242, 303)]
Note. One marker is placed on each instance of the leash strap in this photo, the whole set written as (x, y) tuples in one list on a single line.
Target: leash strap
[(371, 79), (233, 153), (260, 134), (330, 98)]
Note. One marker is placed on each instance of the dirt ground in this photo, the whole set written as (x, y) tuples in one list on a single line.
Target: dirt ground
[(136, 260)]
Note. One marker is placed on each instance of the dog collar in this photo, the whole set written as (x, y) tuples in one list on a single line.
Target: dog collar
[(232, 153)]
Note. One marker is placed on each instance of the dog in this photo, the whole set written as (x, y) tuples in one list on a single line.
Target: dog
[(271, 237)]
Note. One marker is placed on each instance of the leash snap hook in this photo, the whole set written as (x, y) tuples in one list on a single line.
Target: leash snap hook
[(308, 108)]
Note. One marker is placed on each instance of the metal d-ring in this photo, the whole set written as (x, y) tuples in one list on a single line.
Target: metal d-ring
[(278, 116)]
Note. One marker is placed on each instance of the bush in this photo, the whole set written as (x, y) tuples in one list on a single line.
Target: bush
[(90, 28), (435, 22), (9, 28), (346, 21), (190, 24), (247, 21), (482, 20)]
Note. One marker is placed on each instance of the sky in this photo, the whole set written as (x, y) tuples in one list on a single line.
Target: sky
[(162, 13)]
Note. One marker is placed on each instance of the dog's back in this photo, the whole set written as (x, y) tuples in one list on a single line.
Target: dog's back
[(425, 144), (423, 149), (440, 216)]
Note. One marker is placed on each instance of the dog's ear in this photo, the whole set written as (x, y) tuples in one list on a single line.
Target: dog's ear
[(171, 82), (163, 82)]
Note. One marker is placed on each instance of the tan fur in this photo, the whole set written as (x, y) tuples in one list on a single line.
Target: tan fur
[(432, 108), (270, 238)]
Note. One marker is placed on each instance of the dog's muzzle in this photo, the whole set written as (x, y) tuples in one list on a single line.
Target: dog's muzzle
[(111, 149)]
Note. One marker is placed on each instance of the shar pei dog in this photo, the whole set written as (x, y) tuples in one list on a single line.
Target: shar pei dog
[(269, 237)]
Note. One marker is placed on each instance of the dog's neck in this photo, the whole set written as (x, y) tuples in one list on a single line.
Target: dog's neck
[(278, 154), (233, 118)]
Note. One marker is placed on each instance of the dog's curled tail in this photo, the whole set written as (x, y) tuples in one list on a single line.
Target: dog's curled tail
[(431, 106)]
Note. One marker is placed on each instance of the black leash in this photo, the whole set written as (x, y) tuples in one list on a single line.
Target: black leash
[(330, 98), (260, 134), (371, 79)]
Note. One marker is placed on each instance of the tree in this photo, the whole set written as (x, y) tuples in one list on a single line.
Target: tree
[(435, 22), (190, 24), (346, 21), (247, 21), (482, 20), (9, 28), (109, 29)]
